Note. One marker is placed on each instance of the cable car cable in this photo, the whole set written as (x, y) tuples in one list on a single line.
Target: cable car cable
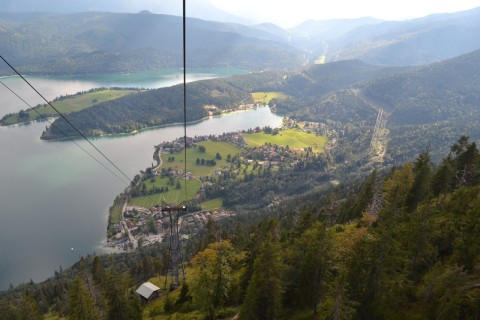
[(61, 131), (68, 121), (185, 98)]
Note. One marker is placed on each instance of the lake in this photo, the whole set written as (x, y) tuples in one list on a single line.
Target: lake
[(54, 198)]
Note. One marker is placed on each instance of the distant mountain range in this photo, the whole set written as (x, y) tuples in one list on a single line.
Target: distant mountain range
[(413, 42), (314, 35), (201, 9), (92, 42)]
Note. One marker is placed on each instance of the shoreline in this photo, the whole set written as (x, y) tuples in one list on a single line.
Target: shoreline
[(122, 134)]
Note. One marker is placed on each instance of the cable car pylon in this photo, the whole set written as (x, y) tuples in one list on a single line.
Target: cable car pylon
[(174, 256)]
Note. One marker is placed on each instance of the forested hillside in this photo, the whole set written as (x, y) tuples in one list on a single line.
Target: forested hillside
[(403, 244), (423, 106), (430, 105), (93, 42), (376, 217), (163, 106), (100, 42)]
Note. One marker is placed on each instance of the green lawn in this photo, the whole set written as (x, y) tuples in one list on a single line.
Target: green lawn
[(265, 97), (116, 213), (70, 104), (292, 138), (174, 195), (212, 204), (212, 147)]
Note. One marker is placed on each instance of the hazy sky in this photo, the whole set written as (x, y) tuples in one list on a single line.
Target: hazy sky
[(285, 13), (288, 13)]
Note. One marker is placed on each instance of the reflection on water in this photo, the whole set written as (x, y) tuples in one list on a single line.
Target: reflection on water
[(52, 87), (54, 197)]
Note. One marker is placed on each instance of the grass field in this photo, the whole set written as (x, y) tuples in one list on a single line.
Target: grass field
[(265, 97), (292, 138), (71, 104), (212, 204), (212, 147), (174, 195), (116, 213)]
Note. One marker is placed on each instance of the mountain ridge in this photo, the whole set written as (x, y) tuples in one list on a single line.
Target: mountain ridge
[(413, 42), (109, 42)]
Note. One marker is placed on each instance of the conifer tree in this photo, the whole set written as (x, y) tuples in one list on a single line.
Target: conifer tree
[(211, 277), (263, 299), (8, 311), (122, 304), (442, 178), (310, 266), (29, 309), (80, 304), (466, 158), (422, 175)]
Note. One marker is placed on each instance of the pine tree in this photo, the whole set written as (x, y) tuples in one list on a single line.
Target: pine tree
[(29, 309), (8, 311), (310, 266), (80, 304), (442, 178), (265, 230), (122, 304), (466, 158), (422, 175), (211, 277), (98, 272), (263, 299)]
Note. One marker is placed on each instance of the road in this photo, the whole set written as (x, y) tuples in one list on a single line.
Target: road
[(133, 241)]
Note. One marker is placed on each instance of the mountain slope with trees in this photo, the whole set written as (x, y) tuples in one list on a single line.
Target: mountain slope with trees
[(164, 106), (429, 105), (413, 42), (423, 106), (94, 42), (401, 244)]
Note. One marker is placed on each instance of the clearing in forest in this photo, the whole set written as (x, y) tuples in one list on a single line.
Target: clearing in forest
[(173, 195), (68, 104), (224, 149), (212, 204), (292, 138), (266, 97)]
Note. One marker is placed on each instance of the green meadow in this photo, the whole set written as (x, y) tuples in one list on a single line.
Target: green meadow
[(212, 147), (116, 212), (266, 97), (292, 138), (174, 195), (212, 204), (67, 105)]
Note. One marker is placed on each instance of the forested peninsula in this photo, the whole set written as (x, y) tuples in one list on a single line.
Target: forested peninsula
[(164, 106)]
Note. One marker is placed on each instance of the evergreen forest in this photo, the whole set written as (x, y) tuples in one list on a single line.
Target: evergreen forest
[(402, 243)]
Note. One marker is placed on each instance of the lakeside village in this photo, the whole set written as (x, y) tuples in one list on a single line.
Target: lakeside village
[(139, 226)]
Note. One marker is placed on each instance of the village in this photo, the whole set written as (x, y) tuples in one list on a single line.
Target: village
[(141, 225)]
